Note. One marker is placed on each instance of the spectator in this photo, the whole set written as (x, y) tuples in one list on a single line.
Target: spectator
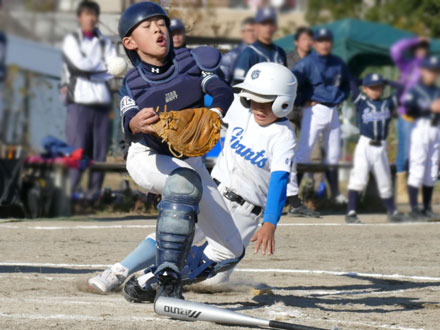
[(229, 59), (262, 50), (303, 44), (409, 66), (178, 31), (86, 52)]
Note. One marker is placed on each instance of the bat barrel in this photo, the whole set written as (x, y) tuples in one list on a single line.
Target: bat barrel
[(289, 326)]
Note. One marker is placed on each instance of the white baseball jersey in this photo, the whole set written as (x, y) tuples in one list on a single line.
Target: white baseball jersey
[(252, 152)]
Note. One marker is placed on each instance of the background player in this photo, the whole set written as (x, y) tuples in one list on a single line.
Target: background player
[(229, 59), (373, 116), (324, 83), (163, 77), (422, 103), (178, 31)]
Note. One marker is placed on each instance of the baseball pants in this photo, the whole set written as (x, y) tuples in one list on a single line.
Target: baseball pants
[(150, 170), (319, 119), (371, 158), (424, 154)]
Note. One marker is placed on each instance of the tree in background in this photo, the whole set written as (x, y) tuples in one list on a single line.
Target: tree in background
[(420, 17)]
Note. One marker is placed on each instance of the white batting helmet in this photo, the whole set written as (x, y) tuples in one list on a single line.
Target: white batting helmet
[(269, 82)]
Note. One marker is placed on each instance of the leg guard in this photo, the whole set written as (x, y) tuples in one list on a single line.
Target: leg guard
[(178, 211)]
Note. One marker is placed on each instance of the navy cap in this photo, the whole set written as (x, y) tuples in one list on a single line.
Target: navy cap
[(266, 14), (322, 33), (177, 25), (431, 62), (373, 79)]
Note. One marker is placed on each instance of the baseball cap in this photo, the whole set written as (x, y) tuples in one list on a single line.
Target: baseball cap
[(373, 79), (266, 14), (176, 25), (322, 33), (431, 62)]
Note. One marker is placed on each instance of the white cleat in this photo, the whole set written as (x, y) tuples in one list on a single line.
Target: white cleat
[(341, 199), (109, 280)]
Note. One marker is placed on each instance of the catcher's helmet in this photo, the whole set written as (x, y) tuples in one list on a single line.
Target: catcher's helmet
[(136, 14), (269, 82)]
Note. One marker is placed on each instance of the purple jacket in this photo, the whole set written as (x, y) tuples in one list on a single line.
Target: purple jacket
[(409, 67)]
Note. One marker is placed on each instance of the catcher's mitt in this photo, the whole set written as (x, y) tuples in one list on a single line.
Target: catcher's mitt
[(189, 132)]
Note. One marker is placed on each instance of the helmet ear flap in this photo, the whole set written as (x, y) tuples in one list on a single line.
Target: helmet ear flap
[(282, 106), (245, 102)]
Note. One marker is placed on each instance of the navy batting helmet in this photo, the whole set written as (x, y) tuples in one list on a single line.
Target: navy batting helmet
[(136, 14)]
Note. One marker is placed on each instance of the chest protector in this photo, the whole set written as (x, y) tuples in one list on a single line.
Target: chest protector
[(176, 89)]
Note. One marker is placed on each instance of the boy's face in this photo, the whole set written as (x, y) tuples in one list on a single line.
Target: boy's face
[(88, 20), (150, 39), (323, 46), (429, 76), (265, 31), (263, 113), (304, 42), (248, 33), (178, 38), (373, 92)]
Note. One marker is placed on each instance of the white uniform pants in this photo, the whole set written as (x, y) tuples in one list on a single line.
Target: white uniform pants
[(247, 224), (319, 119), (150, 170), (424, 154), (371, 158)]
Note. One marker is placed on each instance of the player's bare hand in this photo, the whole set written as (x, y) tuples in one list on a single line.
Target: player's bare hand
[(435, 106), (141, 123), (265, 238)]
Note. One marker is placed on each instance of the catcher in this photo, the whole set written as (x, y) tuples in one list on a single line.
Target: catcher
[(163, 143)]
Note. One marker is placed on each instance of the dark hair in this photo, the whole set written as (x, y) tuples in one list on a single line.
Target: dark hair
[(302, 30), (87, 5), (247, 21)]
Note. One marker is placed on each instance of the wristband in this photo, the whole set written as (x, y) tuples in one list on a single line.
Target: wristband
[(217, 111)]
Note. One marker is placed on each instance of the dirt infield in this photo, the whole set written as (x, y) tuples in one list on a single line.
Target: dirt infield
[(324, 274)]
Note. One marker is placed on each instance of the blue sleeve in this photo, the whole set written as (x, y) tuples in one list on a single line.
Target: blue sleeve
[(347, 79), (302, 96), (276, 196), (128, 107), (221, 93), (227, 65)]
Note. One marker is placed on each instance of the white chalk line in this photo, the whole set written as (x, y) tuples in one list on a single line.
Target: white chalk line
[(92, 227), (48, 278), (245, 270)]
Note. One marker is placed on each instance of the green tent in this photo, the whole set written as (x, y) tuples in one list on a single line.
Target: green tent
[(360, 43)]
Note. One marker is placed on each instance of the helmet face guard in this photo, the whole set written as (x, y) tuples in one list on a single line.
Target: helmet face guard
[(136, 14), (269, 82)]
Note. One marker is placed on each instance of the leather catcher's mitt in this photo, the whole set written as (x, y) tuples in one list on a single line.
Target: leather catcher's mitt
[(189, 132)]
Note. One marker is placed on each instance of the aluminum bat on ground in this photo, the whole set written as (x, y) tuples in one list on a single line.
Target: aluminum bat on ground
[(193, 311)]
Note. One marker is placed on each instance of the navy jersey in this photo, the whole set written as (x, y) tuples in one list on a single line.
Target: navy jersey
[(418, 100), (323, 79), (374, 116), (178, 85), (257, 53), (229, 61)]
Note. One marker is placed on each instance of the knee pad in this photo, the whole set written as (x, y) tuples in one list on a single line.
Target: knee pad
[(178, 211)]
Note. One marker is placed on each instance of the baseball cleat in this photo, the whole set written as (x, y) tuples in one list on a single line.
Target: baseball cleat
[(169, 286), (109, 280), (340, 199), (397, 217), (302, 212), (134, 293), (352, 218), (417, 216)]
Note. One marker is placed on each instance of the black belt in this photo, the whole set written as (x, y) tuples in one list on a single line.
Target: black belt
[(329, 105), (376, 143), (233, 197)]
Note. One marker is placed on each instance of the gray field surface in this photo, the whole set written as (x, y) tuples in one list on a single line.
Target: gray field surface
[(324, 273)]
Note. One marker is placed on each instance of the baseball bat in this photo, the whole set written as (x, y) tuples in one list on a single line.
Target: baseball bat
[(193, 311)]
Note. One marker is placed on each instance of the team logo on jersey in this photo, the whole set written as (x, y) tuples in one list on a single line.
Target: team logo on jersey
[(255, 74), (369, 116), (127, 103), (155, 70), (255, 158), (171, 96)]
